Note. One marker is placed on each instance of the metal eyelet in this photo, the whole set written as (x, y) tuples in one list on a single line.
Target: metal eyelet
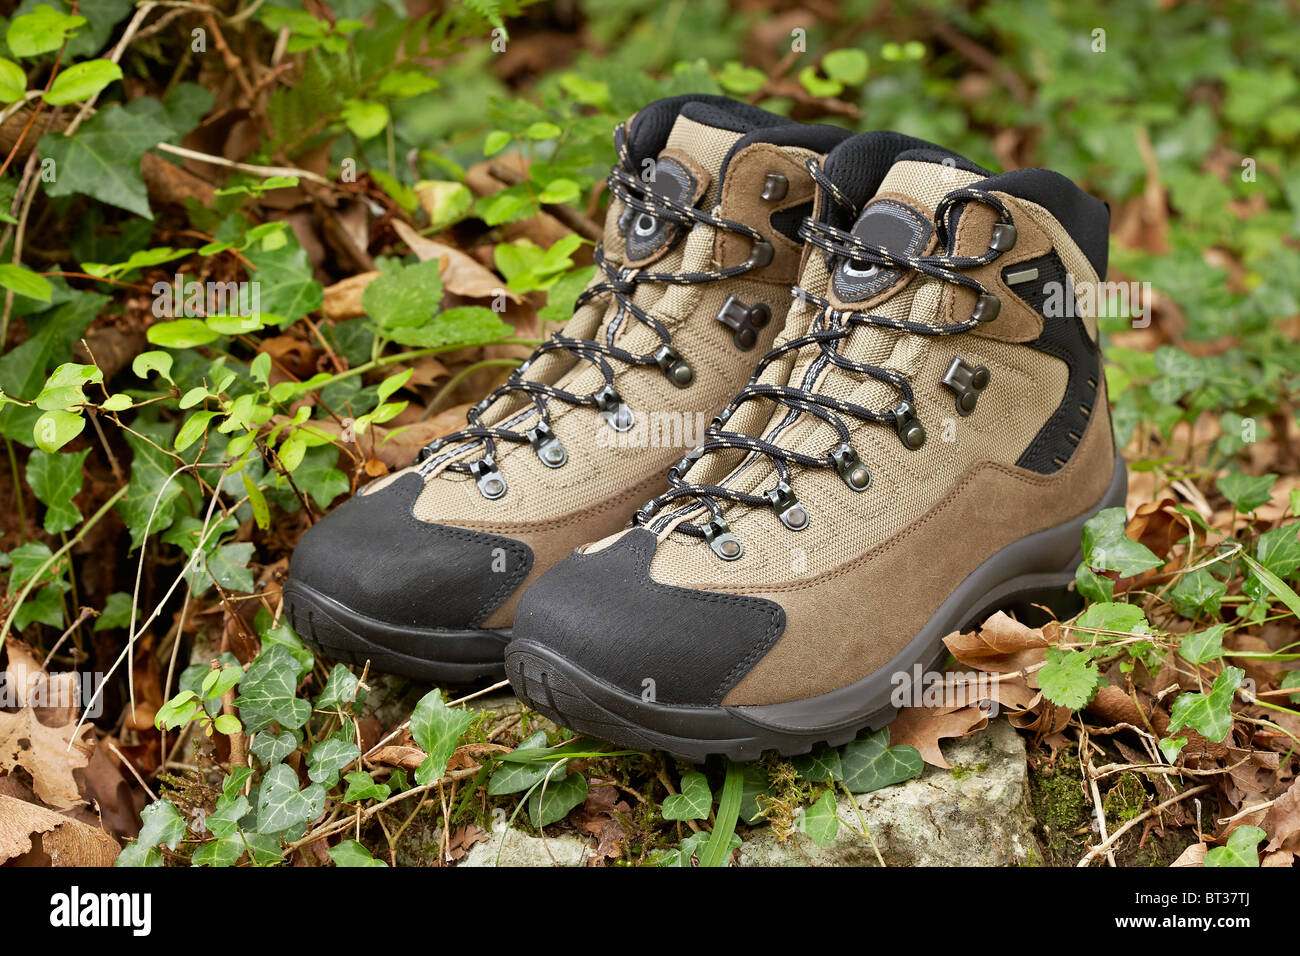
[(851, 469), (684, 463), (549, 449), (968, 382), (613, 409), (908, 426), (1004, 237), (760, 254), (482, 406), (644, 514), (491, 484), (987, 308), (724, 544), (788, 509), (645, 225), (429, 450), (775, 187), (745, 321), (676, 368)]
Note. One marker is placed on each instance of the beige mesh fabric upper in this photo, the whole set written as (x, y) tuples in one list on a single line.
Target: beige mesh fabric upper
[(1026, 386), (668, 420)]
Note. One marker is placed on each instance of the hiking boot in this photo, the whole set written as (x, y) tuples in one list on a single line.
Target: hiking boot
[(420, 572), (921, 447)]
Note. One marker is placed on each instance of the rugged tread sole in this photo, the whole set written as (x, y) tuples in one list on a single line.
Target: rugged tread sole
[(344, 635)]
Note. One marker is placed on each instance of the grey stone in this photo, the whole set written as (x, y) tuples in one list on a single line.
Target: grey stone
[(520, 849), (976, 814)]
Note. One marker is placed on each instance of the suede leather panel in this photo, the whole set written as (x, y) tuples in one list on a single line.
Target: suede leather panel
[(374, 556), (742, 200), (844, 625), (553, 541), (604, 613)]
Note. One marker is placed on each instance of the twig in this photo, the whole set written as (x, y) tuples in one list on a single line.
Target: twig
[(1105, 847), (264, 171)]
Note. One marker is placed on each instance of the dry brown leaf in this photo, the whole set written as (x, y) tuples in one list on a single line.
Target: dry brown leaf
[(44, 753), (1001, 645), (408, 758), (36, 836), (1194, 855), (1283, 821), (460, 274), (924, 727), (1280, 858), (343, 299)]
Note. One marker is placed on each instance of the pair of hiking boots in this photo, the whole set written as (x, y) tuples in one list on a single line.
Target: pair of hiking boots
[(904, 427)]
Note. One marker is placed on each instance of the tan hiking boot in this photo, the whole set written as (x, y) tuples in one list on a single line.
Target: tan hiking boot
[(420, 572), (921, 447)]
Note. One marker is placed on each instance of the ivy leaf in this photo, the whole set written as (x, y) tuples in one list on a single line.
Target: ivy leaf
[(1240, 850), (1210, 715), (228, 566), (281, 805), (267, 694), (352, 853), (515, 777), (1197, 593), (1202, 646), (223, 821), (693, 803), (161, 824), (340, 691), (116, 613), (1171, 747), (272, 748), (362, 786), (285, 282), (56, 480), (1107, 548), (81, 81), (1246, 492), (820, 821), (102, 160), (869, 763), (327, 758), (317, 476), (1068, 678), (437, 729), (553, 800), (821, 765)]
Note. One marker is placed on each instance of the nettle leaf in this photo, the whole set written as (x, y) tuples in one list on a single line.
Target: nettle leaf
[(352, 853), (102, 160), (1203, 646), (437, 729), (1210, 715), (1240, 850), (267, 694), (161, 824), (56, 480), (24, 281), (820, 821), (513, 777), (41, 31), (328, 758), (81, 81), (1107, 548), (362, 786), (1197, 593), (281, 805), (1068, 678), (272, 748), (1246, 492), (1123, 618), (693, 803), (404, 297), (553, 799), (285, 283), (869, 763), (464, 325)]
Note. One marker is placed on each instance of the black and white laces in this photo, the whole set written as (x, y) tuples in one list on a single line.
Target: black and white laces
[(618, 283), (829, 330)]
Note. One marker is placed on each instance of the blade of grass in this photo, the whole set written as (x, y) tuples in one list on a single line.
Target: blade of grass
[(718, 849), (1281, 590)]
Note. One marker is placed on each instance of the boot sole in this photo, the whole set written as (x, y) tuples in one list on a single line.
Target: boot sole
[(1011, 579), (430, 655)]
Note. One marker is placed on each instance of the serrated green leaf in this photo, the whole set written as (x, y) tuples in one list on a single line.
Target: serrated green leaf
[(1068, 678)]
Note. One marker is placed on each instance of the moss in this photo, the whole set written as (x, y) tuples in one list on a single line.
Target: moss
[(1125, 800), (1060, 808)]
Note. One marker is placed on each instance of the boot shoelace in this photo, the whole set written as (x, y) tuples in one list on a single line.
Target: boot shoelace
[(620, 283), (830, 328)]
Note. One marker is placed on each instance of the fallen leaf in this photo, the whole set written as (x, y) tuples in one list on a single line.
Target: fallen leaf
[(343, 299), (408, 758), (1194, 855), (37, 836), (924, 727), (1282, 824), (44, 753), (1000, 645), (460, 274)]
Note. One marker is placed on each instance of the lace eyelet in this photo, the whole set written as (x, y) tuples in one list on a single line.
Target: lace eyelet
[(1004, 237), (745, 321), (613, 409), (851, 469), (491, 483), (549, 449), (968, 382), (678, 371), (987, 308), (908, 426), (724, 544), (788, 508), (775, 187)]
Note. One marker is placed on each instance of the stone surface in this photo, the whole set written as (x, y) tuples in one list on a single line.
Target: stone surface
[(976, 814), (520, 849)]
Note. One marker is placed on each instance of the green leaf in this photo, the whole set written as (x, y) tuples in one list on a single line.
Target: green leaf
[(340, 691), (1171, 747), (280, 804), (116, 613), (227, 724), (511, 777), (285, 282), (178, 711), (821, 765), (553, 799), (24, 281), (464, 325), (869, 763), (1197, 593), (194, 428), (149, 487), (403, 84), (181, 334), (496, 141), (1240, 850), (816, 86), (272, 748), (13, 82), (223, 821), (405, 296), (363, 119), (1246, 492), (1107, 548), (1203, 646), (820, 821), (1110, 616), (352, 853), (717, 852), (437, 730), (1279, 588), (56, 480), (161, 825), (693, 803), (56, 428), (146, 362), (267, 694), (1068, 678), (63, 389), (362, 786), (102, 160), (81, 81), (1210, 715), (1292, 679), (328, 758), (848, 66), (41, 31)]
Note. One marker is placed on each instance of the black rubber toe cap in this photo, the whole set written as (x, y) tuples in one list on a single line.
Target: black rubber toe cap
[(603, 612), (372, 555)]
